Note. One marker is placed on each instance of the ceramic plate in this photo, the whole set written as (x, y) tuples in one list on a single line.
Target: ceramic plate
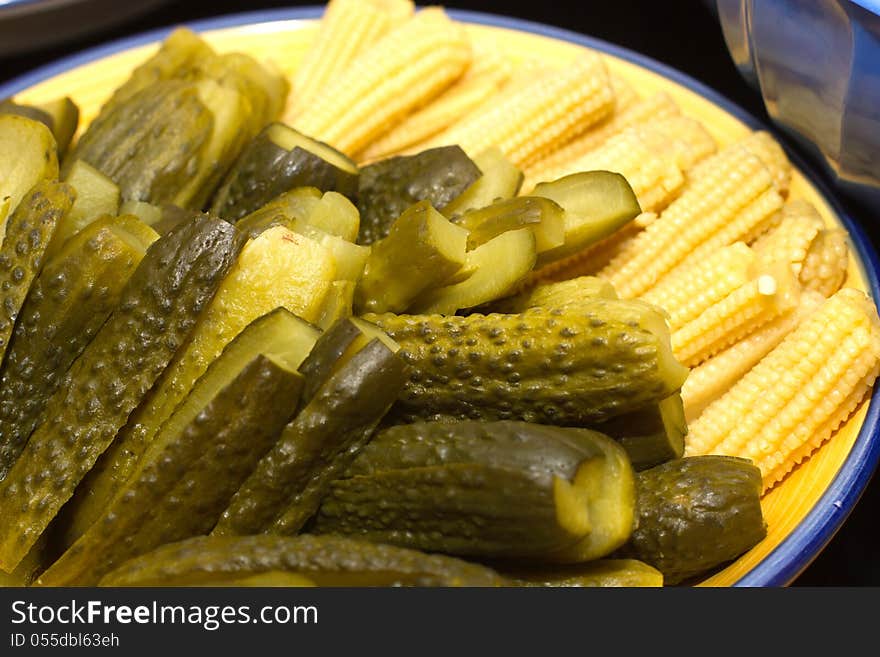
[(805, 511)]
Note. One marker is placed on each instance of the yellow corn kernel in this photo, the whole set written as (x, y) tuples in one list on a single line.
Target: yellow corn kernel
[(655, 107), (483, 80), (346, 29), (826, 262), (799, 393), (592, 259), (694, 289), (538, 116), (403, 70), (790, 240), (715, 376), (747, 308), (732, 200)]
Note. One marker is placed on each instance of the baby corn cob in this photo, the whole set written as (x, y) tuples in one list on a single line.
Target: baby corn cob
[(733, 199), (347, 28), (762, 145), (745, 309), (826, 262), (790, 241), (715, 376), (403, 70), (538, 116), (788, 404), (483, 79), (627, 114), (693, 290)]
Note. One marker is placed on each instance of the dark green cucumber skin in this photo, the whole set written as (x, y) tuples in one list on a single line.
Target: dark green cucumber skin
[(388, 187), (158, 308), (541, 450), (465, 509), (265, 170), (645, 438), (538, 366), (149, 144), (67, 305), (286, 487), (696, 513), (184, 487), (322, 359), (28, 234), (326, 560)]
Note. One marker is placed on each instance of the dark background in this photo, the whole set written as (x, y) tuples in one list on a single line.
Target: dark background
[(683, 34)]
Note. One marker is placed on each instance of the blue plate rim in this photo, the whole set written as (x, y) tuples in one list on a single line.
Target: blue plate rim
[(795, 553)]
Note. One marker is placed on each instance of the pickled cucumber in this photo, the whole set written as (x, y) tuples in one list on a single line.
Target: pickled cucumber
[(388, 187), (487, 489), (61, 116), (601, 572), (325, 560), (161, 302), (499, 179), (421, 250), (96, 195), (287, 485), (67, 305), (544, 217), (552, 367), (28, 154), (188, 474)]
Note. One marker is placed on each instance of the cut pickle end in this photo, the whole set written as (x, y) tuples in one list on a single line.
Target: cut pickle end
[(497, 268), (96, 195), (500, 179), (544, 217), (28, 154), (596, 204)]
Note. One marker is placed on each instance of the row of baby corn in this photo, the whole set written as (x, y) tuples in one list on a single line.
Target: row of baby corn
[(752, 281)]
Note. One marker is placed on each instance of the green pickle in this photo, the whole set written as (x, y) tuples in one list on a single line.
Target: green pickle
[(696, 513), (499, 179), (61, 116), (277, 160), (388, 187), (287, 485), (324, 560), (157, 310), (544, 217), (596, 204), (558, 295), (204, 451), (422, 249), (566, 368), (28, 154), (487, 489), (604, 573), (96, 196), (67, 305), (28, 233)]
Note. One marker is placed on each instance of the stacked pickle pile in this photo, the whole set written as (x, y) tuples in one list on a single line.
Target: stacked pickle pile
[(415, 316)]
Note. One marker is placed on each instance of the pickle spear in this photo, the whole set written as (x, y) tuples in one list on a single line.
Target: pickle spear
[(203, 453), (174, 282), (276, 269), (325, 560), (67, 305), (61, 116), (388, 187), (286, 487), (28, 154), (28, 233)]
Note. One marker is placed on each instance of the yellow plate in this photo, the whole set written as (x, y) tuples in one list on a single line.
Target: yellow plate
[(808, 507)]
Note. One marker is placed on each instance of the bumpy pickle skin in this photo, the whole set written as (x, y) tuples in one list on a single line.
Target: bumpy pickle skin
[(566, 368), (605, 573), (159, 307), (388, 187), (28, 233), (326, 560), (286, 487), (186, 479), (68, 303)]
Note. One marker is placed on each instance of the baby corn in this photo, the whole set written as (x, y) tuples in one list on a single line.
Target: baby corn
[(733, 199), (538, 116), (403, 70), (826, 262), (745, 309), (713, 377), (483, 80), (346, 29), (788, 404), (626, 114), (790, 240)]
